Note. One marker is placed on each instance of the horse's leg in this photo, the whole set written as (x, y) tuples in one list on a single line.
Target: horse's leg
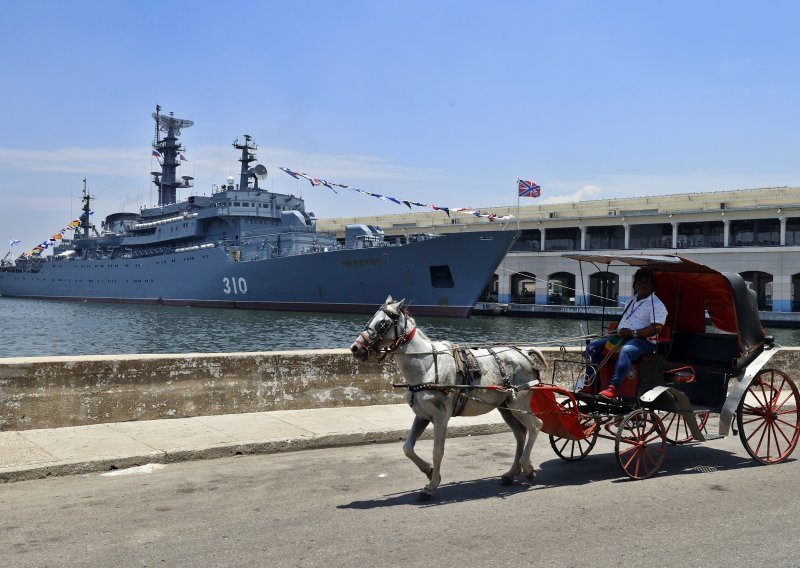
[(532, 424), (439, 436), (417, 428), (519, 435)]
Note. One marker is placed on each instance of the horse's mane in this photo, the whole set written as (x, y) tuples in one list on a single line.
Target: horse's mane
[(419, 331), (424, 335)]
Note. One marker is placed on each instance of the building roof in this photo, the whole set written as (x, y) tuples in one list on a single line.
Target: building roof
[(681, 207)]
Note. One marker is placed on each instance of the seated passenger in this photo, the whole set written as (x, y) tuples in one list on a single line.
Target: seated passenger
[(642, 319)]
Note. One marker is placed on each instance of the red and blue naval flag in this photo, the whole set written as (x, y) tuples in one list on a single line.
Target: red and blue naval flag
[(528, 188)]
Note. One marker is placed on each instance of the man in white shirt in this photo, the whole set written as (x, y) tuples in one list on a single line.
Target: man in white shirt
[(642, 319)]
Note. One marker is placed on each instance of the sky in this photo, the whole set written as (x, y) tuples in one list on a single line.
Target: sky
[(443, 102)]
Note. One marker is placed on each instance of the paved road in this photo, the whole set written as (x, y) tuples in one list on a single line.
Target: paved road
[(356, 506)]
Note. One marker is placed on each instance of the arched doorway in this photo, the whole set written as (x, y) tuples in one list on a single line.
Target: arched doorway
[(489, 293), (604, 289), (561, 288), (795, 292), (523, 288), (761, 284)]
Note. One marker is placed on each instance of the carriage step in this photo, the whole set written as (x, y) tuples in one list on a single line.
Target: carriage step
[(710, 437)]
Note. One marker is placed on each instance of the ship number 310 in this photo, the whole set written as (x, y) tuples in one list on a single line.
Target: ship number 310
[(234, 285)]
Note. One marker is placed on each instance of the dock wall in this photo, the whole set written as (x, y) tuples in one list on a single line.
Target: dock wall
[(50, 392)]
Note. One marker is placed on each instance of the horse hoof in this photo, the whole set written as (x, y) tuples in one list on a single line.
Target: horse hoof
[(531, 476), (506, 481), (424, 496)]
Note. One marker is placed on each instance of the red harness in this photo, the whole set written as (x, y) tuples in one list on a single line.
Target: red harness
[(363, 340)]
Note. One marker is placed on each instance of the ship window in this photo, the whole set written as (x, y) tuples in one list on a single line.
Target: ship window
[(236, 204), (441, 277)]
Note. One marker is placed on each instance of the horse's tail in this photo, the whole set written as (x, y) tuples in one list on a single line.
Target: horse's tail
[(533, 351)]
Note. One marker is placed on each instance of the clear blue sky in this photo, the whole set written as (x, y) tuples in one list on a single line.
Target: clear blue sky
[(433, 101)]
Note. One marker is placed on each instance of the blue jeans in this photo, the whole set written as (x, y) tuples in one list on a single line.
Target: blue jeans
[(632, 350)]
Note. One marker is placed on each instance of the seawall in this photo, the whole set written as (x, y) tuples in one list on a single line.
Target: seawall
[(51, 392)]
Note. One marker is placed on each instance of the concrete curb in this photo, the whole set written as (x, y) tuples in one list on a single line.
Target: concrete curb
[(28, 459)]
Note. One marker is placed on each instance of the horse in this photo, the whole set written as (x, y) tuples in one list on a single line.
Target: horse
[(441, 384)]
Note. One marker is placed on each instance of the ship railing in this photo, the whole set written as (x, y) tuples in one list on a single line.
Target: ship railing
[(234, 250), (28, 267), (157, 251), (261, 233)]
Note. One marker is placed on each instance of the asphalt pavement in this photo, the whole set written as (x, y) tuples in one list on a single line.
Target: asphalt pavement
[(35, 454)]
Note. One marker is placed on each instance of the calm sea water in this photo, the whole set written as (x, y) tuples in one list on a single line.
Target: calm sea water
[(41, 328)]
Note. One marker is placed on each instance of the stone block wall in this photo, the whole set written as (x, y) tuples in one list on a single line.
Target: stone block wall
[(50, 392)]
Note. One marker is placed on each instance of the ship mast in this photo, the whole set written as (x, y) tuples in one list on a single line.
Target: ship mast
[(168, 150), (247, 157), (258, 172), (85, 225)]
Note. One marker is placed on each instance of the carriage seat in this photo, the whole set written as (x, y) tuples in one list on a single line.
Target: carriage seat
[(663, 342), (707, 350)]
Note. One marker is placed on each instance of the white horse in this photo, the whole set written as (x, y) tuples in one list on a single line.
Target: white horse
[(435, 375)]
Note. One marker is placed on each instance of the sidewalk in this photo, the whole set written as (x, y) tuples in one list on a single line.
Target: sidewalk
[(33, 454)]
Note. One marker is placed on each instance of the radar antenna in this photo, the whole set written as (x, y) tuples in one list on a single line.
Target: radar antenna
[(169, 123), (260, 172)]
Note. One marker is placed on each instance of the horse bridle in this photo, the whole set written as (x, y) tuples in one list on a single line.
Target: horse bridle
[(369, 340)]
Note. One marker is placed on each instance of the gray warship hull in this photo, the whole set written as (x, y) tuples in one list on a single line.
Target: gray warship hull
[(242, 246), (441, 276)]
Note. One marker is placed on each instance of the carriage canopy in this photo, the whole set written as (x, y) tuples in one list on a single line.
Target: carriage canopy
[(690, 289)]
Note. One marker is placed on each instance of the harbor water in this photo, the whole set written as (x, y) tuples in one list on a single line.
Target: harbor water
[(31, 328)]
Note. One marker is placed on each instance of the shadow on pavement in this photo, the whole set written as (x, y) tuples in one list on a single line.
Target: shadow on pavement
[(448, 493), (687, 459)]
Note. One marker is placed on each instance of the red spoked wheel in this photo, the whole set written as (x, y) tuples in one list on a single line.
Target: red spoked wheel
[(574, 450), (677, 430), (640, 444), (768, 420)]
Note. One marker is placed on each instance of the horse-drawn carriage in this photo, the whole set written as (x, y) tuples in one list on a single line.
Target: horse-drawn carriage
[(697, 369), (667, 397)]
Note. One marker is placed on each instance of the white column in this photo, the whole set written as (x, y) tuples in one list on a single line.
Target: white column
[(782, 219), (580, 287), (674, 234), (726, 232), (583, 237), (504, 285), (627, 235), (541, 231)]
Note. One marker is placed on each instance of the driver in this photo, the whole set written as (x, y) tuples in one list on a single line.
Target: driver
[(642, 319)]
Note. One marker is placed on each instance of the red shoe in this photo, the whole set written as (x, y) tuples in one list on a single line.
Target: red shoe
[(609, 392)]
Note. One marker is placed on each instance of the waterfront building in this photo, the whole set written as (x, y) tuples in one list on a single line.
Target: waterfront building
[(755, 232)]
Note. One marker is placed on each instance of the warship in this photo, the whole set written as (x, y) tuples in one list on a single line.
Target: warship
[(245, 247)]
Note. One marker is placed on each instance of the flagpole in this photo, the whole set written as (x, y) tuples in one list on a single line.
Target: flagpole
[(517, 204)]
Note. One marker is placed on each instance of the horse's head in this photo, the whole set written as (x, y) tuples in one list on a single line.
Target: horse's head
[(387, 329)]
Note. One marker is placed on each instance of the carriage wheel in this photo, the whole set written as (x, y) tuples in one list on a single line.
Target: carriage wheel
[(574, 450), (768, 420), (677, 430), (640, 444)]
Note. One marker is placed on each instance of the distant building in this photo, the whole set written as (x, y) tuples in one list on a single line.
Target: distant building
[(755, 232)]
